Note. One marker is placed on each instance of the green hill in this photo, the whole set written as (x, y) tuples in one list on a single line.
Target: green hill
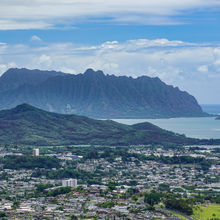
[(26, 124)]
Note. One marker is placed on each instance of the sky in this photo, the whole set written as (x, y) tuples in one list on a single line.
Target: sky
[(177, 41)]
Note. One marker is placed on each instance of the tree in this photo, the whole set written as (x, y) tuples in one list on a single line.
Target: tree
[(164, 187), (152, 198), (73, 217), (111, 186), (2, 215), (181, 205), (16, 204)]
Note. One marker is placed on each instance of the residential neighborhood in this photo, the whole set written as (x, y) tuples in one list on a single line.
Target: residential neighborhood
[(113, 184)]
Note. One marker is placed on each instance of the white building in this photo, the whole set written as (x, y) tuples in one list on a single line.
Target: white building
[(70, 182), (36, 152)]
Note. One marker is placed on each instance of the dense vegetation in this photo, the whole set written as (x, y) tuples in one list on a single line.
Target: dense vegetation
[(2, 215), (170, 200), (204, 163), (59, 191), (63, 173), (181, 205), (111, 153), (28, 125), (29, 162), (43, 190)]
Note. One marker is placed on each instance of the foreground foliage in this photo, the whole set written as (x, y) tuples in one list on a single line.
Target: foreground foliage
[(29, 162)]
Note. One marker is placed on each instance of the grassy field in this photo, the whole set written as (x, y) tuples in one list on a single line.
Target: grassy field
[(178, 215), (207, 212)]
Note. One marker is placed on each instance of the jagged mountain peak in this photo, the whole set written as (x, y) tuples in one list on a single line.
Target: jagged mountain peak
[(97, 95), (24, 72), (24, 107), (15, 77), (93, 73)]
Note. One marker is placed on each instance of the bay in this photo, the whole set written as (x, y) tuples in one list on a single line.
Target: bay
[(206, 127)]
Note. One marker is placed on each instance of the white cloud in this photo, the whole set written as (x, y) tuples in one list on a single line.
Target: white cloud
[(192, 67), (5, 67), (203, 68), (36, 38), (68, 70), (14, 24), (43, 14), (44, 61)]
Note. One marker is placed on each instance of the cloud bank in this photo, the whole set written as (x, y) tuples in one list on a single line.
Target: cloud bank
[(193, 67), (47, 14)]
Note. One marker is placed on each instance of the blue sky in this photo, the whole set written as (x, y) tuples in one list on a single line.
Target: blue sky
[(179, 41)]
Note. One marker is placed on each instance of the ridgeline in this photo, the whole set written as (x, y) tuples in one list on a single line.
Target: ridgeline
[(94, 94), (26, 125)]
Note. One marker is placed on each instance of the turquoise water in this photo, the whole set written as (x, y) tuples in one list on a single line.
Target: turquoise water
[(211, 109), (191, 127)]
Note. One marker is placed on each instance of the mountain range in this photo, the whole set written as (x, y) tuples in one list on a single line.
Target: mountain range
[(29, 125), (95, 94)]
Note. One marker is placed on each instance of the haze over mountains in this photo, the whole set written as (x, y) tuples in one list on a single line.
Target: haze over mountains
[(95, 94), (218, 118)]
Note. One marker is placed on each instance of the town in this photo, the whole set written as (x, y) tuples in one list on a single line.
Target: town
[(106, 182)]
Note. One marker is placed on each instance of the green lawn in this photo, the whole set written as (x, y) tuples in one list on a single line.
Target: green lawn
[(207, 212), (178, 215)]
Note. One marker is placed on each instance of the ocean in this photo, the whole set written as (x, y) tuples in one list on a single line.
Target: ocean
[(206, 127), (192, 127)]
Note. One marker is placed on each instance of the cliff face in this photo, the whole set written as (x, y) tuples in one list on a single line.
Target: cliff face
[(96, 95)]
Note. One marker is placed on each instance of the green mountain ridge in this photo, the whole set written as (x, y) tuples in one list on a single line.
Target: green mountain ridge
[(29, 125)]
